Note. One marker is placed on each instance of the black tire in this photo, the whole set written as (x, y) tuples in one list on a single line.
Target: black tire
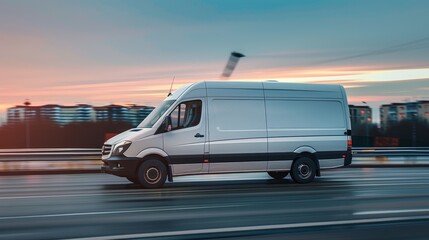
[(152, 174), (278, 175), (303, 170), (133, 180)]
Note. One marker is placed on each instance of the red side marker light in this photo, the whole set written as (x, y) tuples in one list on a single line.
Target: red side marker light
[(206, 160)]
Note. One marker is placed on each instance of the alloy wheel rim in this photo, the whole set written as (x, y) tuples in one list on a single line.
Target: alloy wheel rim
[(152, 175), (304, 171)]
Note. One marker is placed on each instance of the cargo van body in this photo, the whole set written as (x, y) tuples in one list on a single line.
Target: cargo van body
[(224, 127)]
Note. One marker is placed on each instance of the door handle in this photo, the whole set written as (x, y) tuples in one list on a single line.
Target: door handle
[(198, 135)]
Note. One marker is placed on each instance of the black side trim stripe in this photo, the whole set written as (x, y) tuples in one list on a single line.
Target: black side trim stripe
[(281, 156), (330, 154), (245, 157), (185, 159), (250, 157)]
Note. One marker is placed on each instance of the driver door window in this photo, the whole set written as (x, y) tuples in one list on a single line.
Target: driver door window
[(186, 114)]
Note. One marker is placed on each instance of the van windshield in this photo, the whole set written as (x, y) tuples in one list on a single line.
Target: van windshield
[(153, 117)]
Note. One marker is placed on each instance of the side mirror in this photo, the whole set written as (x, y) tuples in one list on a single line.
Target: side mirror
[(167, 124)]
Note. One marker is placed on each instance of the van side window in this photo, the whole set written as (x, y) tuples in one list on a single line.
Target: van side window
[(186, 114)]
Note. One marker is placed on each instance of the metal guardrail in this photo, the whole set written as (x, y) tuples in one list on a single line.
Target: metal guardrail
[(391, 151), (49, 160), (50, 154), (89, 159)]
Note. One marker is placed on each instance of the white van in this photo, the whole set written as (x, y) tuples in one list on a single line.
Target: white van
[(231, 127)]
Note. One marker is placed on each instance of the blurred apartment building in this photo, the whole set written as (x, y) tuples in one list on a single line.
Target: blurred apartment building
[(63, 115), (396, 112), (360, 115)]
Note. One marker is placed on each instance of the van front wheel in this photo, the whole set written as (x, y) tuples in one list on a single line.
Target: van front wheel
[(152, 174), (278, 175), (303, 170)]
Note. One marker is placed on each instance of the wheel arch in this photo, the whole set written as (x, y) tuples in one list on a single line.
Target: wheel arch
[(312, 156), (156, 153)]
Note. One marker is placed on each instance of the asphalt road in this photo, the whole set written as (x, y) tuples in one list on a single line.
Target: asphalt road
[(353, 203)]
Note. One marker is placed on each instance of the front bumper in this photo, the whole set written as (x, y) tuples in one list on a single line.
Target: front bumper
[(120, 166)]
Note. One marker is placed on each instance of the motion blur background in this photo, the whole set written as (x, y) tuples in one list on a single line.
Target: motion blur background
[(76, 72), (73, 71)]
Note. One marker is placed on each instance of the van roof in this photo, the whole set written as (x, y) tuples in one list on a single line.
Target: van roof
[(272, 85), (268, 85)]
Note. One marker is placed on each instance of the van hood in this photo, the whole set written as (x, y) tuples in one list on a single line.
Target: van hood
[(130, 135)]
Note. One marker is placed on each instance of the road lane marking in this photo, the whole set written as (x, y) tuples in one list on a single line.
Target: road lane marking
[(254, 228), (72, 195), (238, 191), (391, 211), (121, 212)]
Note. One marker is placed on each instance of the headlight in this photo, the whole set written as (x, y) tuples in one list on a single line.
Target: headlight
[(120, 148)]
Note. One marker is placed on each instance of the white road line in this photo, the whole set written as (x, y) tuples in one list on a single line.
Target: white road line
[(254, 228), (121, 212), (391, 211), (239, 191), (338, 179), (72, 195)]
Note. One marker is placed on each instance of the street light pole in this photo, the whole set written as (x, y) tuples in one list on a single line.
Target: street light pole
[(27, 121), (366, 126), (414, 130)]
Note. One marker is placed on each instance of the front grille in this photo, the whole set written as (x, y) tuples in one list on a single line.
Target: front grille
[(106, 149)]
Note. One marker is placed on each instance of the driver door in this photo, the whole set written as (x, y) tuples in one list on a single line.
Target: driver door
[(185, 138)]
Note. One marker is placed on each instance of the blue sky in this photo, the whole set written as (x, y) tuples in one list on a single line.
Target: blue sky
[(102, 52)]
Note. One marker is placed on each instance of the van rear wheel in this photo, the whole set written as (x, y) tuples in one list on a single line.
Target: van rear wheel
[(278, 175), (152, 174), (303, 170)]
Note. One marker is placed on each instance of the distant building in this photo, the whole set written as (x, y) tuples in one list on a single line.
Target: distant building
[(360, 115), (111, 113), (423, 110), (396, 112), (21, 113), (63, 115), (51, 112), (137, 113)]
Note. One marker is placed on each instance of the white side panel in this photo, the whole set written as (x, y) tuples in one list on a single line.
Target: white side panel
[(346, 106), (254, 166), (236, 119), (319, 143), (184, 169), (238, 136), (280, 165), (243, 146), (318, 125), (305, 117)]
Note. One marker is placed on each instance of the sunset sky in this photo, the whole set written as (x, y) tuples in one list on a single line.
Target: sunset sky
[(103, 52)]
